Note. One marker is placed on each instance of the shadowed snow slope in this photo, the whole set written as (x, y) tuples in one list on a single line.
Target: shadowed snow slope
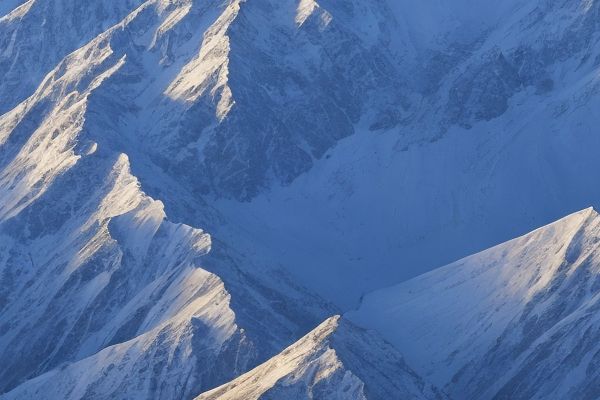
[(337, 360), (501, 142), (518, 321)]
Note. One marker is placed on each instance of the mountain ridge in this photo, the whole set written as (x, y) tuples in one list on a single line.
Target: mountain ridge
[(514, 320), (327, 150), (332, 361)]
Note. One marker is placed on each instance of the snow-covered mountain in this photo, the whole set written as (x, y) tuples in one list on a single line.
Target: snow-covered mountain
[(187, 187), (517, 321), (502, 142), (90, 267), (92, 264), (397, 126), (218, 99), (336, 360)]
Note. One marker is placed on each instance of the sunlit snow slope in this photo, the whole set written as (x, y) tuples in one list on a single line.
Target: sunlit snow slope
[(520, 320), (336, 360), (96, 285)]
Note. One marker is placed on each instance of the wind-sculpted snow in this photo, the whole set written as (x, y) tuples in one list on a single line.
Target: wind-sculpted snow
[(518, 321), (336, 360)]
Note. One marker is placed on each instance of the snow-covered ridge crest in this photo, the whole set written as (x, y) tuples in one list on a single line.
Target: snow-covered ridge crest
[(48, 152), (191, 58), (91, 261), (87, 223), (14, 9), (307, 8), (512, 320), (60, 104), (45, 33), (336, 360), (123, 295), (209, 70)]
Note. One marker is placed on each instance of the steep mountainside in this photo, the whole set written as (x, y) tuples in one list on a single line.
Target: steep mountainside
[(326, 149), (208, 99), (336, 360), (91, 264), (88, 261), (502, 142), (394, 125), (518, 321)]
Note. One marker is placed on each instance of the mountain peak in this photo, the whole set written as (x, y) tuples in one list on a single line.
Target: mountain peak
[(336, 360), (478, 326)]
